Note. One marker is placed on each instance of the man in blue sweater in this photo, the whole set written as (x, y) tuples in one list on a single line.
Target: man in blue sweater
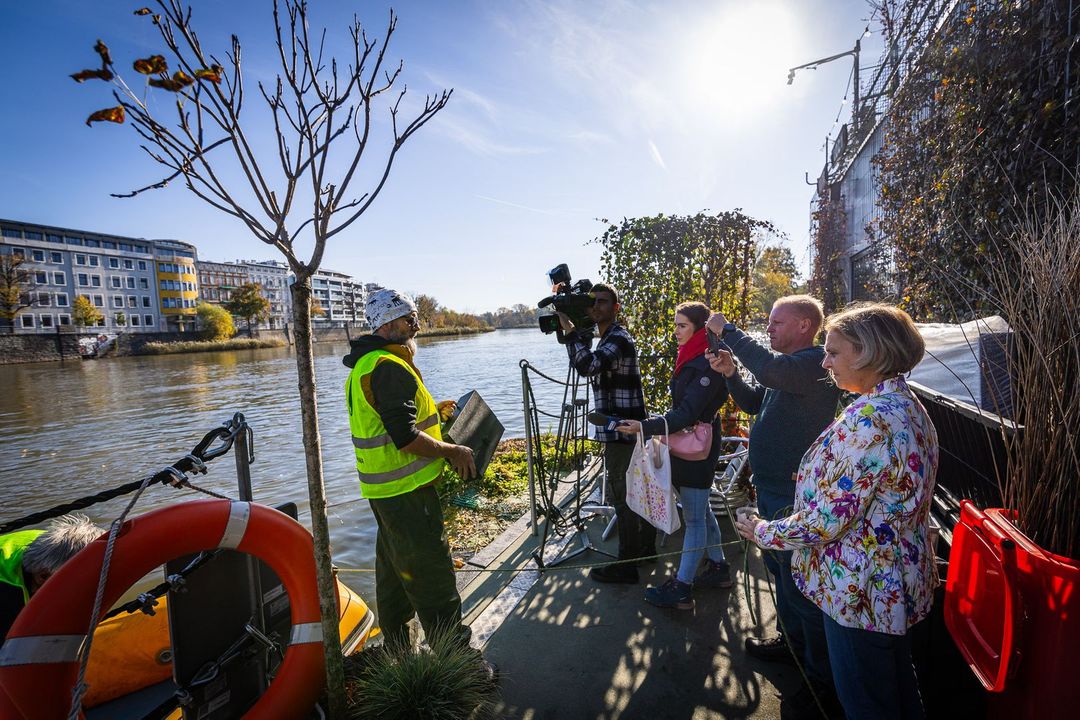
[(793, 401)]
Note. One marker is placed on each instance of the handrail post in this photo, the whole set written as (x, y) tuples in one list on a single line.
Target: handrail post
[(524, 365)]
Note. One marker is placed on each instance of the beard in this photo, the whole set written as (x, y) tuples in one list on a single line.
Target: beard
[(410, 343)]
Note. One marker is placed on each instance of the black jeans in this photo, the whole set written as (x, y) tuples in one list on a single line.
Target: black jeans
[(414, 574), (637, 538)]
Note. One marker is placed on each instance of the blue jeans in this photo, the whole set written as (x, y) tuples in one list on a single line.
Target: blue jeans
[(701, 530), (874, 676), (798, 619)]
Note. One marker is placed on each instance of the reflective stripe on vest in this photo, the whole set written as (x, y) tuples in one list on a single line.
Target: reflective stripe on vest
[(384, 470), (12, 547)]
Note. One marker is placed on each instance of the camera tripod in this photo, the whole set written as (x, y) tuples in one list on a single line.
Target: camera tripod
[(544, 480)]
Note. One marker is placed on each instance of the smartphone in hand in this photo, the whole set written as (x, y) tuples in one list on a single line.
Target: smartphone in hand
[(715, 343)]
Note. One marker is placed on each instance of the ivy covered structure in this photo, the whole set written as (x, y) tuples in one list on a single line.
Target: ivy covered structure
[(968, 123)]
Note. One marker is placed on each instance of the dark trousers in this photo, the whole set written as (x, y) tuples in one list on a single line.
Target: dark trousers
[(414, 574), (637, 538), (798, 619), (875, 679)]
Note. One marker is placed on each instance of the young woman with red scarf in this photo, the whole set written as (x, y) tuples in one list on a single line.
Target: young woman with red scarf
[(697, 393)]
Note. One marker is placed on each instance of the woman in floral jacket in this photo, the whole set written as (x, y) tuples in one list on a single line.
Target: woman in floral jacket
[(861, 518)]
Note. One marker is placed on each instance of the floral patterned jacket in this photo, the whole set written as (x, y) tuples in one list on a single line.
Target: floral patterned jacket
[(862, 514)]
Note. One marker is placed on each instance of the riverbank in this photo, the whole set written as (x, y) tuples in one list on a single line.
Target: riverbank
[(454, 331), (193, 346)]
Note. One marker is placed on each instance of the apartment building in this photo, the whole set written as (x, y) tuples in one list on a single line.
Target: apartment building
[(273, 277), (341, 298), (178, 284), (115, 273)]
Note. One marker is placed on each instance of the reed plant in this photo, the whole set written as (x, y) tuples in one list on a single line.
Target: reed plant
[(442, 681), (1033, 278), (192, 346)]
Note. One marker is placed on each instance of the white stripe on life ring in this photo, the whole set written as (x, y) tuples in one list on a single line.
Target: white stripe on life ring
[(239, 514), (41, 649), (306, 633)]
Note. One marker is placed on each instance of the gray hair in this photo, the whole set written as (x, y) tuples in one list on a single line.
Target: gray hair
[(884, 336), (65, 536), (804, 306)]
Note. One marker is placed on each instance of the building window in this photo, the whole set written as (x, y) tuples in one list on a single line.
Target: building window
[(144, 284), (38, 255), (31, 235), (142, 264), (18, 252), (135, 320), (95, 280), (148, 320), (129, 264), (84, 280), (125, 247), (61, 300), (117, 301), (116, 282), (92, 243), (64, 319), (133, 301), (131, 283), (93, 261), (99, 301), (44, 299), (114, 263), (56, 257), (27, 321), (11, 233), (41, 277), (59, 278), (146, 301), (80, 259), (46, 321), (108, 245)]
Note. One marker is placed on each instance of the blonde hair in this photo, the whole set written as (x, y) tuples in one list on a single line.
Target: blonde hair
[(805, 306), (696, 312), (884, 336)]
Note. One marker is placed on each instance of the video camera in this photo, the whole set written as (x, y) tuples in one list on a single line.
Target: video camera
[(575, 300)]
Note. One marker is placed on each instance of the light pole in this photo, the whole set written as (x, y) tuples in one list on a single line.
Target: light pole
[(854, 52)]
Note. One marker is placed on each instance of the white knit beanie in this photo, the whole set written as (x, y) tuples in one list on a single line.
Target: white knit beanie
[(385, 306)]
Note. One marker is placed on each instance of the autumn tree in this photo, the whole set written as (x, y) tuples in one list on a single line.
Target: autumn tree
[(16, 288), (426, 307), (294, 196), (84, 314), (317, 310), (775, 275), (248, 302), (216, 322)]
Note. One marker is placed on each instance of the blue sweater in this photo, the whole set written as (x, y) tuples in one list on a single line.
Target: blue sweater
[(793, 399)]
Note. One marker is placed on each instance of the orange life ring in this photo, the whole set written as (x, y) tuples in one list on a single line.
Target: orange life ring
[(39, 660)]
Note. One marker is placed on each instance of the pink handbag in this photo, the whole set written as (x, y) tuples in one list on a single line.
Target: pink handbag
[(692, 443)]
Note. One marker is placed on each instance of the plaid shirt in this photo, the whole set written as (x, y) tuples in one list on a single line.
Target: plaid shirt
[(613, 370)]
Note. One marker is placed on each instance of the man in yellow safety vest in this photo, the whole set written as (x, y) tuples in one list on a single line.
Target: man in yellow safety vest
[(30, 557), (400, 454)]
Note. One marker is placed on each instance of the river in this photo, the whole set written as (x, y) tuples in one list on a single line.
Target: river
[(76, 428)]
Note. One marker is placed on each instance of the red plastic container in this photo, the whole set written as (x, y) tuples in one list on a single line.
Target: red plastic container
[(1013, 610)]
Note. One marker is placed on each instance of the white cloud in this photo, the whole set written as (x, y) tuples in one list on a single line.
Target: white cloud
[(656, 156)]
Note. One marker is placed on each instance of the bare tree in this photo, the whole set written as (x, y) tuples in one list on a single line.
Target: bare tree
[(16, 288), (302, 189)]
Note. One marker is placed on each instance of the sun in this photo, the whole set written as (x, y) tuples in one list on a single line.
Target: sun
[(735, 63)]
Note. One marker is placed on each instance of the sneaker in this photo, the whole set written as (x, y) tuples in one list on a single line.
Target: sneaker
[(625, 574), (715, 575), (672, 594), (770, 649)]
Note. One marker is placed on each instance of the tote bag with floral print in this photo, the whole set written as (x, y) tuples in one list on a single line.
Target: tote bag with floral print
[(648, 485)]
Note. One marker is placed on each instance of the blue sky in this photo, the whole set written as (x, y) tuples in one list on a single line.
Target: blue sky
[(563, 112)]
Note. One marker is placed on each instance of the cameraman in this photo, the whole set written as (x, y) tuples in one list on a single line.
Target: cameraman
[(616, 383)]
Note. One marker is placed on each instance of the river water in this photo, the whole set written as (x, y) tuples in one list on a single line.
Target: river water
[(79, 427)]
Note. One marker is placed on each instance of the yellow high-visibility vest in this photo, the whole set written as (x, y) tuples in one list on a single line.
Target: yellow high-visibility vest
[(384, 470)]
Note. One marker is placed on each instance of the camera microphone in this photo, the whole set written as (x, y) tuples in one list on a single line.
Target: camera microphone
[(607, 422)]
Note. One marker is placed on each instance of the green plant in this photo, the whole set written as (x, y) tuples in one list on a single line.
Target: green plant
[(217, 323), (83, 312), (978, 130), (247, 302), (657, 262), (507, 474), (827, 232), (442, 682)]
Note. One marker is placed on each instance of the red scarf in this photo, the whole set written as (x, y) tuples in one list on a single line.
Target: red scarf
[(694, 347)]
